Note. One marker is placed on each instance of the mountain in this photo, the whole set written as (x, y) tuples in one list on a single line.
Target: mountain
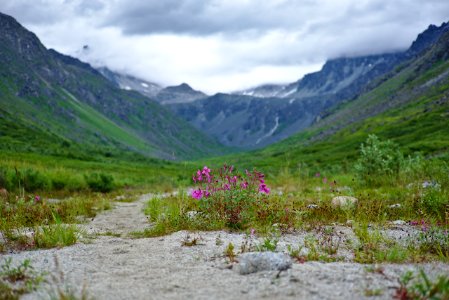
[(410, 106), (131, 83), (256, 118), (269, 91), (54, 103), (182, 93)]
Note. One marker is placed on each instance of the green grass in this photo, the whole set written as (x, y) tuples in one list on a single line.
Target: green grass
[(57, 235)]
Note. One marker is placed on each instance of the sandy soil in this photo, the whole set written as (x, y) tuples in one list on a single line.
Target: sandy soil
[(161, 268)]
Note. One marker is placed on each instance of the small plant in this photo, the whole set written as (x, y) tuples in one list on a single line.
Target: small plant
[(295, 253), (268, 244), (434, 240), (57, 235), (378, 159), (19, 280), (218, 240), (247, 244), (190, 241), (421, 287), (329, 241), (373, 292), (229, 252)]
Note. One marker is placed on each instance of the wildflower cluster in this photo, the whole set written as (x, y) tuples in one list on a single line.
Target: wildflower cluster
[(230, 196), (227, 179)]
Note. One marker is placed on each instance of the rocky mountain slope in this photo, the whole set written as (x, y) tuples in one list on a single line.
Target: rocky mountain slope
[(131, 83), (259, 117), (59, 97), (410, 106)]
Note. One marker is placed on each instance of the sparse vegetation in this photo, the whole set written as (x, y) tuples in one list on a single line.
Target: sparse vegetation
[(17, 280), (419, 286)]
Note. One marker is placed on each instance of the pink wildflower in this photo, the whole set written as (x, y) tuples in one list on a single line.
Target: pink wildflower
[(37, 198), (197, 194), (206, 171), (264, 189), (324, 180), (244, 185), (199, 177), (317, 174), (226, 187)]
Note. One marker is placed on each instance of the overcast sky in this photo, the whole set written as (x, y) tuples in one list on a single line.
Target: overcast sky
[(224, 45)]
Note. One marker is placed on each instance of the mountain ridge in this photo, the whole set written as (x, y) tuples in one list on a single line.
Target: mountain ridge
[(65, 96)]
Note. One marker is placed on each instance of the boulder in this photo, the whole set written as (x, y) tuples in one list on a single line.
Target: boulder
[(252, 262)]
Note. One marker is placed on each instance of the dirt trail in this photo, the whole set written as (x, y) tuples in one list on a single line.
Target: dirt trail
[(126, 217), (161, 268)]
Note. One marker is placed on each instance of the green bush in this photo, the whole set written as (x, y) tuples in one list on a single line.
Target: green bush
[(33, 180), (379, 160), (4, 179), (58, 183), (99, 182)]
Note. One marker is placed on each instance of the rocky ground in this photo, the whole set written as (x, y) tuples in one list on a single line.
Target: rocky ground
[(112, 267)]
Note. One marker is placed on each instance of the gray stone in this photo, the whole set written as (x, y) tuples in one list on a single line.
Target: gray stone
[(252, 262), (312, 206)]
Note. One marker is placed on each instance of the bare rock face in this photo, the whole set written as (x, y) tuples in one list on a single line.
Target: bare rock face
[(253, 262), (344, 201)]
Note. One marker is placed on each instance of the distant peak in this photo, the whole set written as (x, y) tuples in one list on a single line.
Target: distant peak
[(183, 87)]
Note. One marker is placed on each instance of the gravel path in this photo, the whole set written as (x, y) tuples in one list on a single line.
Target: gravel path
[(161, 268)]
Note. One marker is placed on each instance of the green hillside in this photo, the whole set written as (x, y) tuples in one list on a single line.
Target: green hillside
[(48, 99)]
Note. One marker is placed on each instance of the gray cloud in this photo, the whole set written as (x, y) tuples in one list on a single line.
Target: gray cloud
[(222, 45)]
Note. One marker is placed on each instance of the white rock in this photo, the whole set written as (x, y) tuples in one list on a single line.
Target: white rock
[(191, 214), (399, 222), (396, 205), (252, 262), (344, 201)]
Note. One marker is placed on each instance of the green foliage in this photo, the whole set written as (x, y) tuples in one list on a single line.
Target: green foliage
[(378, 160), (434, 201), (100, 182), (17, 280), (268, 244), (33, 180), (434, 240), (421, 287), (57, 235)]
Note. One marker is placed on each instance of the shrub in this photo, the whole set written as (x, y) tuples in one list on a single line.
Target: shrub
[(100, 182), (378, 159)]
